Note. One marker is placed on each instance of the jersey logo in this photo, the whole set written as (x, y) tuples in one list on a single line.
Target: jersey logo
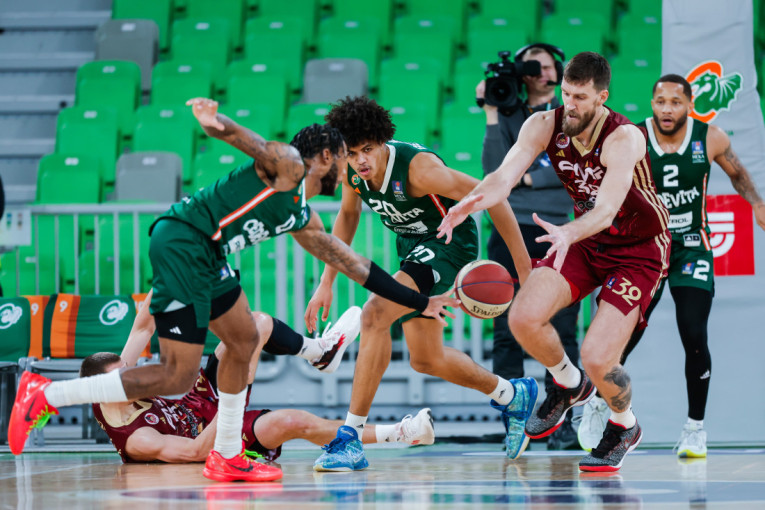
[(355, 180), (713, 92), (697, 152), (560, 154), (151, 418), (562, 140), (688, 268), (113, 312), (398, 191)]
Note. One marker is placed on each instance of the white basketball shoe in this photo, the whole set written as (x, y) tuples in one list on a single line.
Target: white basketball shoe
[(594, 419), (336, 340), (417, 430)]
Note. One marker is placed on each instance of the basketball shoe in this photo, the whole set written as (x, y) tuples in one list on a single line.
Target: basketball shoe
[(237, 468), (30, 410), (336, 340), (344, 453), (417, 430), (594, 418), (692, 443), (615, 444), (552, 412), (516, 413)]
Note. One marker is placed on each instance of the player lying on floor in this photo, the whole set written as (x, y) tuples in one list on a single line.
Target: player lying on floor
[(183, 430)]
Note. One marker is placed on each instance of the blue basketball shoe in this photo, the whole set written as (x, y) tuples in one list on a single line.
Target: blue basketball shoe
[(516, 413), (344, 453)]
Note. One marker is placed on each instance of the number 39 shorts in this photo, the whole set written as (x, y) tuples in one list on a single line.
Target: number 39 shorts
[(627, 274)]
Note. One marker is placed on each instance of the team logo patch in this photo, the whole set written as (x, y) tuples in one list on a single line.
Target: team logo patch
[(355, 180), (713, 91), (597, 152), (697, 152), (562, 140), (151, 418), (688, 267), (610, 282), (9, 315), (398, 191), (113, 312), (691, 240)]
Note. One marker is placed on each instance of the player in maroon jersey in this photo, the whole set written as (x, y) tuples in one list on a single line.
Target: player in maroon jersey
[(619, 240)]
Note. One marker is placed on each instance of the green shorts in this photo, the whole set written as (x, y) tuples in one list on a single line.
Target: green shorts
[(189, 269), (445, 260), (691, 267)]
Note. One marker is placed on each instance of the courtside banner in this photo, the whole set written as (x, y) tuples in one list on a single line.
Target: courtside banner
[(732, 228)]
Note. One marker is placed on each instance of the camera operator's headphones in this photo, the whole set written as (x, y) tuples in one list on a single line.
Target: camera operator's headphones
[(554, 51)]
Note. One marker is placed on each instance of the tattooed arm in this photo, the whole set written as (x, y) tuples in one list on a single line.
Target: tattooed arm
[(279, 164), (721, 152)]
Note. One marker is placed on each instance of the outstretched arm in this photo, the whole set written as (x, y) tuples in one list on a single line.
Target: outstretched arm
[(140, 333), (722, 153), (146, 444), (495, 187), (339, 255), (280, 161)]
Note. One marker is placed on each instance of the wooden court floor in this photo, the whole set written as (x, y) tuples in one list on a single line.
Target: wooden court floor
[(443, 476)]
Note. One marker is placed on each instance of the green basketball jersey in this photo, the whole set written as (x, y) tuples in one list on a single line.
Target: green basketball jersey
[(240, 210), (402, 213), (681, 182)]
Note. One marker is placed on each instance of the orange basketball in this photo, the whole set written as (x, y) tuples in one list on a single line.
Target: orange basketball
[(485, 289)]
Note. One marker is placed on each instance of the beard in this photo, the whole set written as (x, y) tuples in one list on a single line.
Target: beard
[(584, 121), (669, 132), (329, 181)]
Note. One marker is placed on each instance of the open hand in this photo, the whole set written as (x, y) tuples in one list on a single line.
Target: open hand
[(456, 215), (559, 239), (437, 307), (321, 300), (206, 112)]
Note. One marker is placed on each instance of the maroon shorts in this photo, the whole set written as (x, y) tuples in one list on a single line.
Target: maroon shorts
[(251, 442), (627, 274)]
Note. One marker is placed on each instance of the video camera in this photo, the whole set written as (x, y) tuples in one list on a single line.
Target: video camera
[(503, 80)]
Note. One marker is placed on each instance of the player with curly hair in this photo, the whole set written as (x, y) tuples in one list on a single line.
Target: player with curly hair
[(411, 188)]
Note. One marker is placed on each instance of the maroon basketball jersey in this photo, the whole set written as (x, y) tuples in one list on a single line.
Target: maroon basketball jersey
[(184, 417), (641, 216)]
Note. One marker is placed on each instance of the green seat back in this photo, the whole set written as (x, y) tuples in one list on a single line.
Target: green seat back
[(278, 40), (63, 179), (405, 83), (174, 82), (205, 40), (92, 133), (254, 85), (166, 129), (462, 136), (158, 10), (352, 38), (305, 114), (110, 83), (232, 11)]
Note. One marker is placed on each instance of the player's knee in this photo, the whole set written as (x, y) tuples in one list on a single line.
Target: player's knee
[(373, 314), (263, 322), (425, 365), (595, 364), (521, 321)]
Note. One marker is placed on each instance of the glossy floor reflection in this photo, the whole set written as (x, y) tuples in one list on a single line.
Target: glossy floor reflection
[(441, 476)]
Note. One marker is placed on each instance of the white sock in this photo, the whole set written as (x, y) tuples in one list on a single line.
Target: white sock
[(503, 393), (356, 422), (626, 419), (386, 433), (311, 349), (697, 424), (566, 373), (101, 388), (228, 437)]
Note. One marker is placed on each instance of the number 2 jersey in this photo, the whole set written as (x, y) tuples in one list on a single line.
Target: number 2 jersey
[(681, 180), (641, 216)]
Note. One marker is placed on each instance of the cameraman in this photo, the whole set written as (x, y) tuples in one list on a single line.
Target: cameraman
[(540, 191)]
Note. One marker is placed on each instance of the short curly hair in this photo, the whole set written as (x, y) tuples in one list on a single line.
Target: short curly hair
[(360, 119), (313, 139)]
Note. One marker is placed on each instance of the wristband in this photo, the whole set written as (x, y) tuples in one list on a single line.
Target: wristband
[(384, 285), (480, 102)]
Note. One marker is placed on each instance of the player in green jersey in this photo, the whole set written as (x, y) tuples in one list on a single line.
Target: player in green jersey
[(411, 189), (193, 287), (681, 150)]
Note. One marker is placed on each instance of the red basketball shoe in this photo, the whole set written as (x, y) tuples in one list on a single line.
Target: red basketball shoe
[(237, 468), (30, 410)]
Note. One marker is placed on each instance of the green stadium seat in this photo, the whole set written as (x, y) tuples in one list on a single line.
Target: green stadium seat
[(381, 10), (257, 268), (127, 244), (26, 270), (352, 38), (211, 166), (454, 9), (405, 83), (574, 8), (259, 85), (230, 10), (174, 82), (277, 41), (630, 93), (112, 84), (166, 129), (207, 40), (488, 35), (305, 114), (307, 10), (90, 132), (647, 8), (524, 13), (158, 10), (411, 123), (258, 117), (640, 42), (577, 33), (16, 326), (434, 36), (467, 74), (648, 63), (462, 135), (64, 179)]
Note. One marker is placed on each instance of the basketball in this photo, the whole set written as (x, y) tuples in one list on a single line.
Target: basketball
[(485, 289)]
